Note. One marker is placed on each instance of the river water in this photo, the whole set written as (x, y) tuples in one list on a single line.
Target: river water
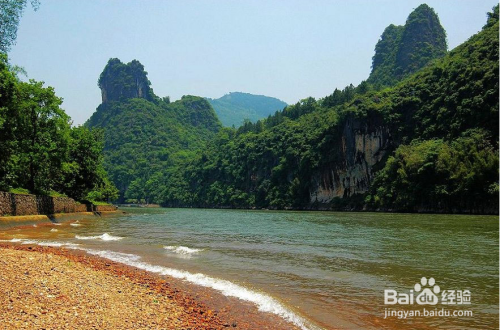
[(319, 270)]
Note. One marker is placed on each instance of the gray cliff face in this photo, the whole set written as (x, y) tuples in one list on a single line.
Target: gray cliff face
[(361, 146)]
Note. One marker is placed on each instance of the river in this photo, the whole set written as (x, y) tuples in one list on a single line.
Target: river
[(319, 270)]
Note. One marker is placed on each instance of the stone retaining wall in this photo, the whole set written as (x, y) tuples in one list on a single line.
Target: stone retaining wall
[(17, 204), (104, 208)]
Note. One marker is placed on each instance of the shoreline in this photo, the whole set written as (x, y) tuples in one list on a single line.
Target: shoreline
[(204, 308), (49, 217), (332, 209)]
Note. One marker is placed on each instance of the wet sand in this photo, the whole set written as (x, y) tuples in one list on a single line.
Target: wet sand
[(56, 288)]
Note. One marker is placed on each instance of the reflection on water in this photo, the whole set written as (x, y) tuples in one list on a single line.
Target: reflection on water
[(331, 268)]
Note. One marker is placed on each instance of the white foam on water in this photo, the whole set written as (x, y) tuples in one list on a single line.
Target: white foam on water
[(57, 244), (75, 224), (53, 230), (264, 302), (103, 237), (181, 249), (23, 241), (42, 243)]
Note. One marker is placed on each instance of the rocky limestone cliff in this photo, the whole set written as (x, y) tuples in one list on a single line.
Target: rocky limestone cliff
[(361, 147), (121, 81)]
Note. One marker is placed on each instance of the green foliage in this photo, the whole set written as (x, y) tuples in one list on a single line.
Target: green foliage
[(104, 191), (403, 50), (83, 171), (10, 14), (233, 108), (492, 17), (40, 152), (268, 169), (120, 81), (442, 121), (40, 130), (19, 191), (53, 193), (435, 174), (423, 40), (144, 137), (384, 60)]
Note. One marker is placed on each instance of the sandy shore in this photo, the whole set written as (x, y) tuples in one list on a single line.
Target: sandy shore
[(54, 288)]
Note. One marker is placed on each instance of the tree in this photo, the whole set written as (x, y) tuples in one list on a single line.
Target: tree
[(83, 171), (10, 14), (42, 130), (8, 83)]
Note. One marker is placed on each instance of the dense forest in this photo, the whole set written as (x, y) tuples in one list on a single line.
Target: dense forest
[(235, 108), (144, 134), (420, 134), (427, 142), (40, 152)]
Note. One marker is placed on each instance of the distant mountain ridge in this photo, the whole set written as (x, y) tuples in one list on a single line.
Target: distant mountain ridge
[(235, 107)]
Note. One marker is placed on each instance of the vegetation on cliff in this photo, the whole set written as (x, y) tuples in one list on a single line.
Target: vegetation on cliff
[(144, 135), (428, 140), (403, 50), (442, 125), (234, 108)]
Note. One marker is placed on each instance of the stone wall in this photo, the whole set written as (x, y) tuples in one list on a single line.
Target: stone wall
[(83, 208), (104, 208), (16, 204)]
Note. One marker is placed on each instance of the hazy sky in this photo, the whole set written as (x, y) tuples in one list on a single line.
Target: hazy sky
[(285, 49)]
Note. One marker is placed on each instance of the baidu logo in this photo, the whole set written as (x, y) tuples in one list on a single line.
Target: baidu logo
[(427, 296), (426, 293)]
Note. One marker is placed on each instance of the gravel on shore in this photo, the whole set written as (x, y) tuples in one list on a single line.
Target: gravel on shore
[(48, 288)]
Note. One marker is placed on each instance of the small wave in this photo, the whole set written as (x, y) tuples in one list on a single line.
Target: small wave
[(57, 244), (103, 237), (23, 241), (181, 249), (75, 224), (43, 243), (264, 302), (54, 230)]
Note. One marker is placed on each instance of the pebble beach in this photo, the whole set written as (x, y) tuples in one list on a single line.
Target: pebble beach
[(53, 288)]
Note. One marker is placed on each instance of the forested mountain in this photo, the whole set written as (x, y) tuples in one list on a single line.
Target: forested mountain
[(233, 108), (430, 143), (403, 50), (144, 134)]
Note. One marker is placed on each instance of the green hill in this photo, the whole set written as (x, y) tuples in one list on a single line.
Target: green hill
[(234, 108), (144, 134), (403, 50), (430, 143)]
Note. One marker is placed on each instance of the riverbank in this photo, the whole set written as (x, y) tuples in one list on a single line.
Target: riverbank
[(47, 287)]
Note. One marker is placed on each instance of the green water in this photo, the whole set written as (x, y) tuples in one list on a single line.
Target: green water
[(329, 268)]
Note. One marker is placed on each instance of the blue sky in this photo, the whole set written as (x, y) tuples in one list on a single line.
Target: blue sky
[(285, 49)]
